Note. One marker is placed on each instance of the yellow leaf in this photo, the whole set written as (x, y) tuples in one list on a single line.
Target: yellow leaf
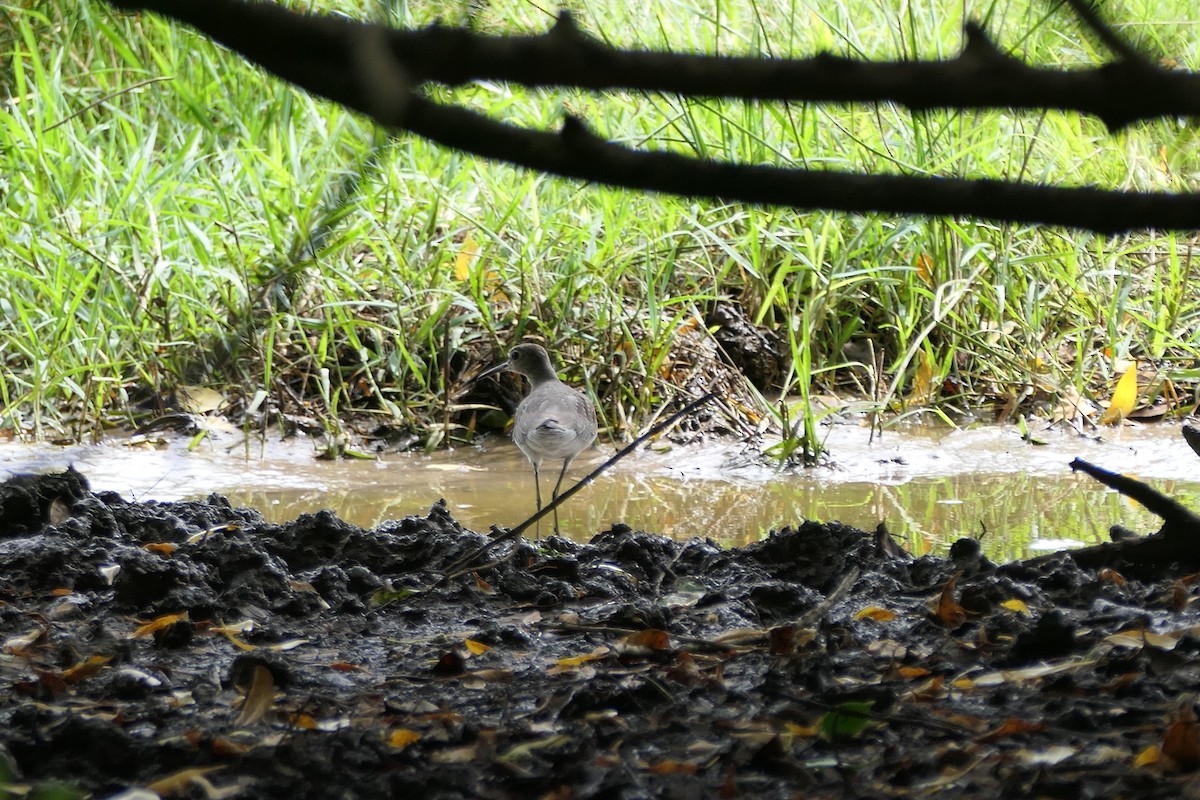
[(577, 661), (158, 624), (476, 648), (876, 613), (1147, 757), (1123, 399), (922, 388), (803, 731), (403, 737), (304, 722), (85, 669), (1017, 606), (466, 257), (925, 268)]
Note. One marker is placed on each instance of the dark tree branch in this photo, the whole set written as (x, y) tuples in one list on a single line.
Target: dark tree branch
[(1086, 10), (377, 71), (319, 54)]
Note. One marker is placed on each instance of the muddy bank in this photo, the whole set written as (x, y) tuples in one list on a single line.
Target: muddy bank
[(195, 649)]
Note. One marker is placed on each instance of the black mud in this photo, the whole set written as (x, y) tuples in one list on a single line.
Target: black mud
[(313, 660)]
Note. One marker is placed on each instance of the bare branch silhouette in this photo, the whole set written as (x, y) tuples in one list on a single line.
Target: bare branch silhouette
[(378, 71)]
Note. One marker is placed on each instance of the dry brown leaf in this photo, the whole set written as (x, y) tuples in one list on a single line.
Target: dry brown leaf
[(450, 663), (1181, 742), (670, 766), (178, 781), (949, 612), (649, 639), (782, 640), (260, 698)]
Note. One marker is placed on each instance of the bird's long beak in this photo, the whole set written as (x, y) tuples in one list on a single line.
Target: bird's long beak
[(503, 365)]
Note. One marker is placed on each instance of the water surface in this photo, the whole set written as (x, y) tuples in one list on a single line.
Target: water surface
[(929, 485)]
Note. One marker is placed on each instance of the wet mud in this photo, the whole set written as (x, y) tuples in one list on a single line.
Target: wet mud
[(195, 650)]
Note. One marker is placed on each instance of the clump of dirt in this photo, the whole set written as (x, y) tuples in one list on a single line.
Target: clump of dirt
[(195, 650)]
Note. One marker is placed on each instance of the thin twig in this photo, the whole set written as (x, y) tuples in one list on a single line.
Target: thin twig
[(1087, 13), (106, 98), (462, 566), (711, 644)]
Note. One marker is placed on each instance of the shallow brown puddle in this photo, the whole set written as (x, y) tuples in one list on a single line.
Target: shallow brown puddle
[(929, 485)]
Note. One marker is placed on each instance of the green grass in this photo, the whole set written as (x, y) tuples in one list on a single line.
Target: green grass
[(170, 216)]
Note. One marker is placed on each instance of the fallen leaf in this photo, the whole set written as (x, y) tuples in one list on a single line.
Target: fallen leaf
[(158, 623), (1138, 638), (782, 640), (259, 698), (178, 781), (1048, 756), (803, 731), (848, 719), (671, 767), (649, 639), (85, 669), (19, 645), (876, 614), (1181, 742), (913, 672), (465, 257), (1151, 755), (571, 662), (1123, 399), (450, 663), (1017, 606), (401, 738), (476, 648), (924, 266), (199, 399), (949, 612)]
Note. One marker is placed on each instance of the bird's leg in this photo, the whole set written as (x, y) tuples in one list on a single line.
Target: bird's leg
[(554, 495), (537, 489)]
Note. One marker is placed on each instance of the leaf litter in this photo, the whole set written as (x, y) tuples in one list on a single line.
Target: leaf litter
[(317, 659)]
